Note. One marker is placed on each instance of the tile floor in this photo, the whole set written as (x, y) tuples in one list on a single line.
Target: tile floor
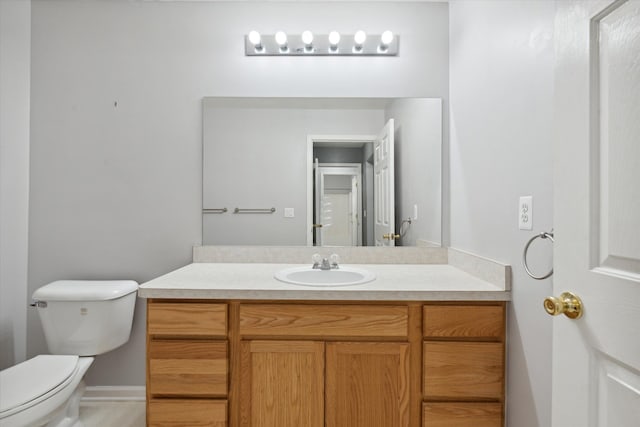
[(113, 414)]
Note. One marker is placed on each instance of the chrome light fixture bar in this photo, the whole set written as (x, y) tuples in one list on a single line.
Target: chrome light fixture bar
[(332, 44)]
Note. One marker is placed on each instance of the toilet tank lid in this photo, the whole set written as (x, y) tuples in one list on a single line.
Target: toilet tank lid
[(85, 290)]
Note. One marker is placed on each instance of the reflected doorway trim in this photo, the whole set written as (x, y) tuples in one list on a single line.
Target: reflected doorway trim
[(341, 169), (344, 140)]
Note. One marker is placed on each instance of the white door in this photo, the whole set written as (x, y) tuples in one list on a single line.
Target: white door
[(383, 187), (337, 229), (317, 221), (596, 358), (338, 203)]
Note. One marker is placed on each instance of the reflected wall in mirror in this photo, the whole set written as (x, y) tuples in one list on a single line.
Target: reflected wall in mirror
[(317, 161)]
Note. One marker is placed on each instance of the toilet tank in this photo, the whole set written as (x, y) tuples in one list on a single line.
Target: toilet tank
[(86, 317)]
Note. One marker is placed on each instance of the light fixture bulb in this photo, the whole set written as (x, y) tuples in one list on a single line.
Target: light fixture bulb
[(281, 38), (386, 38), (254, 38), (360, 37), (334, 38), (307, 38)]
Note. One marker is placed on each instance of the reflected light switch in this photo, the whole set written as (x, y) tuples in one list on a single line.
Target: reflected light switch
[(288, 213)]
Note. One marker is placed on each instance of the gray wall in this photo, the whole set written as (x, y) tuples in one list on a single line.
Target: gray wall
[(116, 90), (15, 61), (502, 63)]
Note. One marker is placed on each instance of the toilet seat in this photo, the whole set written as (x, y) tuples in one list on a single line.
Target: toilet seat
[(30, 382)]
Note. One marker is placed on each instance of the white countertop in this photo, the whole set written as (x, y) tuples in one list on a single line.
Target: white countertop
[(255, 281)]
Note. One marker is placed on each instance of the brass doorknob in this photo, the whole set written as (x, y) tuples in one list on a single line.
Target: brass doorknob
[(568, 303), (390, 236)]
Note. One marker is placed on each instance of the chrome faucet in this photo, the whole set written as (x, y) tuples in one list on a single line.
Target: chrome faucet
[(321, 263)]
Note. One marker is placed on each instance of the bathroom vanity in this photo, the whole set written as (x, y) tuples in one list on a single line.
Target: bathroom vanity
[(422, 345)]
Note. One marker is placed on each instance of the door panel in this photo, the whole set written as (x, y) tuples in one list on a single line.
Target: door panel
[(617, 151), (338, 203), (336, 223), (596, 358), (317, 217), (384, 185)]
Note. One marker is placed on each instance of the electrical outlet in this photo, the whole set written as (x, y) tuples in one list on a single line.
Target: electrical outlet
[(525, 213), (289, 213)]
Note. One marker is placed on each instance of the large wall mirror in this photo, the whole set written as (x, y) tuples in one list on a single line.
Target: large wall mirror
[(322, 171)]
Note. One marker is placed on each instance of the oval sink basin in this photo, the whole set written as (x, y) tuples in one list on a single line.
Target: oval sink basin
[(307, 276)]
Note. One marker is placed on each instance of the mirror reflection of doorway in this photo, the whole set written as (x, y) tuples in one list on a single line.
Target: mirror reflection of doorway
[(338, 204), (368, 224)]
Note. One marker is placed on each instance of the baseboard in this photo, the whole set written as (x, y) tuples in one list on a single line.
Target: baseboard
[(114, 394)]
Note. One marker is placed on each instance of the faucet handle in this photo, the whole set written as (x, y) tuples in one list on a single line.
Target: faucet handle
[(316, 259), (334, 259)]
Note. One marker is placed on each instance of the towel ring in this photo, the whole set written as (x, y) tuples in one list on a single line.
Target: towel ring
[(543, 235)]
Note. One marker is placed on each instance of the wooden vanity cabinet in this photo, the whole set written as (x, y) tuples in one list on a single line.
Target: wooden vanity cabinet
[(314, 364)]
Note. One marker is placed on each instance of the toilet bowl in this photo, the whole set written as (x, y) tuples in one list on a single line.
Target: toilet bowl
[(45, 390), (80, 319)]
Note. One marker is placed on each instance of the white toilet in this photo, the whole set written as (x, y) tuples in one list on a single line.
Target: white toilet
[(81, 319)]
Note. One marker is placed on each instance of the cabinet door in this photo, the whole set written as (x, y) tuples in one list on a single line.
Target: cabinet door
[(282, 384), (367, 384)]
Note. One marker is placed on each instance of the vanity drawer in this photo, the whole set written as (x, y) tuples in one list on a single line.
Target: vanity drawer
[(185, 412), (319, 320), (187, 319), (463, 321), (462, 414), (469, 370), (188, 368)]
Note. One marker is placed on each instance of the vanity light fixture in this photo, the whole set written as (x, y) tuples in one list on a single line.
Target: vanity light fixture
[(332, 44), (281, 40), (334, 39), (385, 40), (358, 41), (307, 39), (255, 40)]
